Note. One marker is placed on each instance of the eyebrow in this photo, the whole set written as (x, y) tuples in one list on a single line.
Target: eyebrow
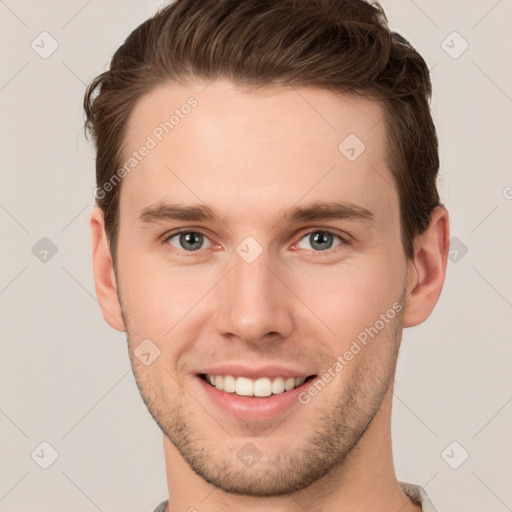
[(316, 211)]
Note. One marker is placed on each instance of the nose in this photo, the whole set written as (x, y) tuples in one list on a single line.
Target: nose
[(253, 302)]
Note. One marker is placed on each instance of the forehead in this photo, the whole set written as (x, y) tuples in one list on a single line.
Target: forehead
[(238, 150)]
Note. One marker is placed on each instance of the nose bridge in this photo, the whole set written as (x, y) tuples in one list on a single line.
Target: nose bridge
[(252, 301)]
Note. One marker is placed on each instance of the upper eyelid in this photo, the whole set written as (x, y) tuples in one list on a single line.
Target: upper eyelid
[(343, 236)]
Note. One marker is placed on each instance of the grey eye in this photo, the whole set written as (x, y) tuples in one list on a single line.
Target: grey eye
[(187, 240), (320, 240)]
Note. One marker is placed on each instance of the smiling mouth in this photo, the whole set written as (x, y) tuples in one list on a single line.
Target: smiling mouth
[(259, 388)]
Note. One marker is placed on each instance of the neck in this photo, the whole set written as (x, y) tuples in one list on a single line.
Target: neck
[(365, 481)]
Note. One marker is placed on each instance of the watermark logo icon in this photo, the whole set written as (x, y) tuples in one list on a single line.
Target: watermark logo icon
[(249, 455), (249, 249), (351, 147), (454, 45), (458, 250), (44, 250), (146, 352), (44, 45), (454, 455), (44, 455)]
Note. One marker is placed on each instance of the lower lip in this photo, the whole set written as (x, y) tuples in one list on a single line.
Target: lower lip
[(253, 408)]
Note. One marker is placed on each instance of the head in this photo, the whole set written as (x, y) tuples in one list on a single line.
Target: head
[(292, 146)]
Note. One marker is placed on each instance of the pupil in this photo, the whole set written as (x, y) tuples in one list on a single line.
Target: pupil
[(191, 241), (321, 240)]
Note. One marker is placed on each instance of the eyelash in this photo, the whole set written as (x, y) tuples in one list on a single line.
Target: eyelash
[(343, 241)]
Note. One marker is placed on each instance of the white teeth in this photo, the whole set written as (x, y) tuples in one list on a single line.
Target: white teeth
[(289, 384), (229, 384), (262, 387), (243, 386), (219, 382), (278, 385), (299, 381)]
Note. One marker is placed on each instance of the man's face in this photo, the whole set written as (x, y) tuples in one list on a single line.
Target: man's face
[(261, 290)]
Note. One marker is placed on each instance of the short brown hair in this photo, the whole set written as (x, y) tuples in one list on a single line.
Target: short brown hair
[(345, 46)]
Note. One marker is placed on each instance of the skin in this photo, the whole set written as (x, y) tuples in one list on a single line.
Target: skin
[(252, 157)]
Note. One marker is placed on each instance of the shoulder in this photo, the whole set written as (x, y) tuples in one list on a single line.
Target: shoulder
[(162, 507), (417, 494)]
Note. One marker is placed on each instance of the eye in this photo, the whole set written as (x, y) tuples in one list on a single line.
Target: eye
[(320, 241), (188, 241)]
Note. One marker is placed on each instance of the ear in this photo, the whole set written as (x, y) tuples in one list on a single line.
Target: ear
[(427, 270), (103, 270)]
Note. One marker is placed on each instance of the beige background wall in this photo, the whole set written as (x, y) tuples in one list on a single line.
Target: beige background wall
[(65, 377)]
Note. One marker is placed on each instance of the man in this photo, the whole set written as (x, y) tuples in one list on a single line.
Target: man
[(267, 224)]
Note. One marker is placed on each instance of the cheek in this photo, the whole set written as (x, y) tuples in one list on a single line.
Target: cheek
[(156, 295), (350, 296)]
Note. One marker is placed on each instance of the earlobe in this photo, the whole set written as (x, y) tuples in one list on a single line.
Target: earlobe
[(427, 270), (103, 270)]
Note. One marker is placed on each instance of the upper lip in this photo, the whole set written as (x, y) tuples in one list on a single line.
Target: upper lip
[(253, 372)]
